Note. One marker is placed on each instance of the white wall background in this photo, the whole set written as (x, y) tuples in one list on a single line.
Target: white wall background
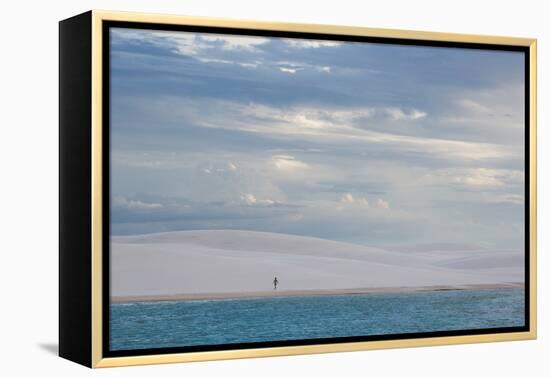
[(28, 211)]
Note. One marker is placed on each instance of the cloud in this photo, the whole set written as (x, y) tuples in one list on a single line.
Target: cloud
[(193, 44), (310, 43), (478, 177), (179, 42), (382, 204), (248, 198), (324, 126), (349, 199), (213, 60), (510, 198), (336, 126), (343, 126), (398, 114), (290, 67), (288, 163), (218, 168), (221, 136), (473, 106), (289, 70), (293, 67), (251, 200), (254, 64), (249, 65), (130, 204), (231, 42)]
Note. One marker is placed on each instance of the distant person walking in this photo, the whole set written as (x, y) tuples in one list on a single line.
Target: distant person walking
[(275, 283)]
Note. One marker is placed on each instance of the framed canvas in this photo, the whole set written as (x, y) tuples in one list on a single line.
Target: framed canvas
[(235, 189)]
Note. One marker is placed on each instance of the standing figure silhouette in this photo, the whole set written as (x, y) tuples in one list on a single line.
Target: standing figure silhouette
[(275, 283)]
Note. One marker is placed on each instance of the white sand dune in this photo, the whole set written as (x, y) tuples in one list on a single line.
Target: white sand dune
[(226, 261)]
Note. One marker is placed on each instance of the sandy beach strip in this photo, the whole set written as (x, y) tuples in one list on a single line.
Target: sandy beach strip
[(304, 293)]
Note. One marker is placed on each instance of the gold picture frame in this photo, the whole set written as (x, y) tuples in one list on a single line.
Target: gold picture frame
[(89, 287)]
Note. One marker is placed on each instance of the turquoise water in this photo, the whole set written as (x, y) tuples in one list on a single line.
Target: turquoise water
[(144, 325)]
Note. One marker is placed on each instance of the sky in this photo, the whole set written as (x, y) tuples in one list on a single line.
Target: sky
[(373, 144)]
